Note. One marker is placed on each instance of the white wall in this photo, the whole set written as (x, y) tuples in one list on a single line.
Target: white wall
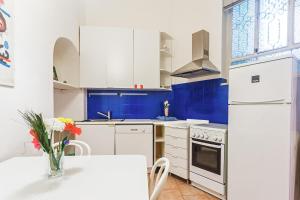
[(147, 14), (191, 16), (69, 103), (38, 24), (177, 17)]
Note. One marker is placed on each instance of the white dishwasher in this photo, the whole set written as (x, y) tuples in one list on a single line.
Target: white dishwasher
[(136, 140)]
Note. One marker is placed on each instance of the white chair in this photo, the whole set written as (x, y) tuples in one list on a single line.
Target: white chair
[(158, 180), (79, 144)]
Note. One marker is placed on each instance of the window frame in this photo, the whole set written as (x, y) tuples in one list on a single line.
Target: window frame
[(256, 53)]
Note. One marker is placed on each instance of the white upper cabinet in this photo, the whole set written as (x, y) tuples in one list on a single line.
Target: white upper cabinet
[(119, 55), (147, 58), (93, 42), (119, 58)]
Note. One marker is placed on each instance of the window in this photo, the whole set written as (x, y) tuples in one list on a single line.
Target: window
[(263, 27), (273, 24), (243, 22), (297, 19)]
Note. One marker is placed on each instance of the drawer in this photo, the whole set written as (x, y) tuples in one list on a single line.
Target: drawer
[(176, 151), (176, 161), (134, 129), (177, 132), (183, 173), (176, 141)]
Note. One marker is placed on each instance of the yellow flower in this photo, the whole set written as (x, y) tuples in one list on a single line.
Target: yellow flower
[(65, 120)]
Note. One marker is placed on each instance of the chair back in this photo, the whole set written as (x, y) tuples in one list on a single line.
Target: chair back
[(79, 145), (158, 180)]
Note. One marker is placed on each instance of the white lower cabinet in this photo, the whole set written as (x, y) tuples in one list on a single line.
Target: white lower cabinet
[(176, 150), (135, 140), (101, 138)]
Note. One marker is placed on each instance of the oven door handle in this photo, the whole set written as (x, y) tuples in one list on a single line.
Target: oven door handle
[(208, 145)]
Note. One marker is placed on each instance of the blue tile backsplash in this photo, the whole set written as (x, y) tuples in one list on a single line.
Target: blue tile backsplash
[(201, 100), (126, 104), (196, 100)]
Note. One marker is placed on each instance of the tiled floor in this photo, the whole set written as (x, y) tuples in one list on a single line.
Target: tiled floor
[(177, 189)]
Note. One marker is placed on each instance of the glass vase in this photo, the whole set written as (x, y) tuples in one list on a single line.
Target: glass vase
[(55, 164), (166, 112)]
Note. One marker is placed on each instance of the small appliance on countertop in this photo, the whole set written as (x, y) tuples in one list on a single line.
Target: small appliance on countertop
[(208, 163)]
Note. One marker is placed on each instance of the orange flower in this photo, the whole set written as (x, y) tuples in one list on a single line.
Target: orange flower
[(72, 129), (35, 140), (36, 144), (33, 133)]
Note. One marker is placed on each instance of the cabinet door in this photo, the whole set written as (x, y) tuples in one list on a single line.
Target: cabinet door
[(101, 138), (135, 139), (259, 149), (146, 58), (119, 55), (93, 42)]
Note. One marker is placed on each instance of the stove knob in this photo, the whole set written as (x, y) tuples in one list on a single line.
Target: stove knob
[(201, 136), (215, 139), (220, 139), (194, 135), (198, 136), (206, 136)]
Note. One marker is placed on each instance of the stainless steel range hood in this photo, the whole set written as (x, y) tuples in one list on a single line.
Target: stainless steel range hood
[(200, 64)]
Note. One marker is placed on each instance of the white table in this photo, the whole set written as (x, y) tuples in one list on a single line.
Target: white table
[(99, 178)]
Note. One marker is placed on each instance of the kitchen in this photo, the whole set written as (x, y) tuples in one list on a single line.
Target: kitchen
[(205, 90)]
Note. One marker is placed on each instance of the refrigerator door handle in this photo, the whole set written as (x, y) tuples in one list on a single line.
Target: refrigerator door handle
[(259, 102)]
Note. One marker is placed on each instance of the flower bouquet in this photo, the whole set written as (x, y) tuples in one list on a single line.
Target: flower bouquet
[(43, 132)]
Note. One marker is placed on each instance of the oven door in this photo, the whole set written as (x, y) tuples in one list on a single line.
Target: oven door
[(207, 159)]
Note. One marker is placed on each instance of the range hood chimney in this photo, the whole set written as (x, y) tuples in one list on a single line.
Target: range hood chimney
[(200, 64)]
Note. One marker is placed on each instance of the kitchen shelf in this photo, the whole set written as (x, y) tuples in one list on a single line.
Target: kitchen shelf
[(159, 139), (62, 86), (165, 71), (165, 36), (166, 61), (159, 144), (163, 52), (166, 88)]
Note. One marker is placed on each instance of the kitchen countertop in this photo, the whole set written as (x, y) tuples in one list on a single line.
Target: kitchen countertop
[(142, 121)]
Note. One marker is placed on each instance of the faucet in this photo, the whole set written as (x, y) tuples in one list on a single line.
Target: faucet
[(108, 115)]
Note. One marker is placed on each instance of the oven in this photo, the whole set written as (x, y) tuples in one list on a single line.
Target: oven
[(207, 159)]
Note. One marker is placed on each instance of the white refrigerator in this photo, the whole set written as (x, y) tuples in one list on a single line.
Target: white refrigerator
[(262, 130)]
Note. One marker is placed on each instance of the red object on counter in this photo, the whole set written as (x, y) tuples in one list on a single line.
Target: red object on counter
[(142, 86)]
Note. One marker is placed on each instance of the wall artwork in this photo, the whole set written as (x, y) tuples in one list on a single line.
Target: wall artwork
[(6, 44)]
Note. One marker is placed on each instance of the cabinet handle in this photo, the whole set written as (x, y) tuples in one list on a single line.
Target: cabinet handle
[(134, 129)]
